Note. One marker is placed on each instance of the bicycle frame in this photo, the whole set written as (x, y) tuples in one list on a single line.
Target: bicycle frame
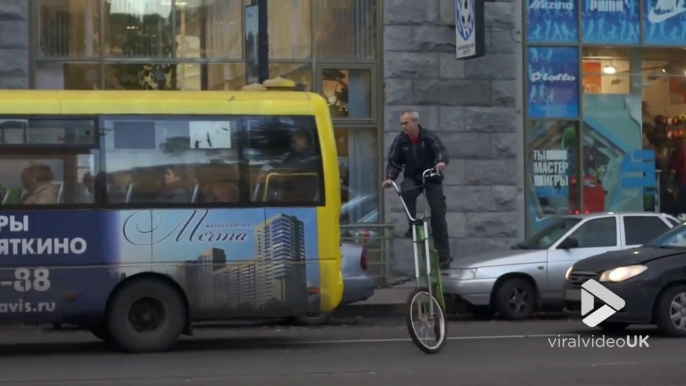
[(420, 224)]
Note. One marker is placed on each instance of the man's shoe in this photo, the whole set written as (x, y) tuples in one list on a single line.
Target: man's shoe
[(444, 263)]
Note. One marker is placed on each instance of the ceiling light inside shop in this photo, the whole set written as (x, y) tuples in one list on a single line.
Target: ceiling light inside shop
[(609, 70)]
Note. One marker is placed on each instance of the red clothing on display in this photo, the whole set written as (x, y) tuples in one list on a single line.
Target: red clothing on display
[(680, 166)]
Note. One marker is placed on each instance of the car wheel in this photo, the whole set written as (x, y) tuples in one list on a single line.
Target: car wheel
[(671, 311), (515, 299), (146, 316), (613, 326), (312, 319)]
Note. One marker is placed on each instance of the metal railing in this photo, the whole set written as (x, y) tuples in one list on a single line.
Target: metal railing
[(377, 240)]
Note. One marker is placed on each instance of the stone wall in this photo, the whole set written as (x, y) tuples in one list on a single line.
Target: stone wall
[(14, 44), (473, 106)]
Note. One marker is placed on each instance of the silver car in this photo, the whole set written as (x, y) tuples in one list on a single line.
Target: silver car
[(357, 285), (517, 282)]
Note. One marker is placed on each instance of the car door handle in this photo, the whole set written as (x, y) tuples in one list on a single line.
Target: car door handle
[(541, 267)]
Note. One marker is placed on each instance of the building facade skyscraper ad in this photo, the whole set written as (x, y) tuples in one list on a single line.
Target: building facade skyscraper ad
[(280, 257)]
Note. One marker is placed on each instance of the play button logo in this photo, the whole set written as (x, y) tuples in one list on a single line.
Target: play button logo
[(589, 291)]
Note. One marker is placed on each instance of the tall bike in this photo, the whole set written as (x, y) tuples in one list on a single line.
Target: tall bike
[(424, 313)]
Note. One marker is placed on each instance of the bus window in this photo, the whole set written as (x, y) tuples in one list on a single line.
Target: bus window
[(284, 160), (37, 180), (47, 132), (173, 160)]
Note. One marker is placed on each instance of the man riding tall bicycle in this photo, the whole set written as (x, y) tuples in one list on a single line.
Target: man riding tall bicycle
[(413, 151)]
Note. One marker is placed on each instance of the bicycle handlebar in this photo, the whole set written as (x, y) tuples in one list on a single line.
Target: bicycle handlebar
[(431, 173)]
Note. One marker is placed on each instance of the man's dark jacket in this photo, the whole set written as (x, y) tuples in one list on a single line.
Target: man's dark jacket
[(424, 154)]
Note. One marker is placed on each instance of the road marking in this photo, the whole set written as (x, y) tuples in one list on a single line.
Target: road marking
[(484, 337)]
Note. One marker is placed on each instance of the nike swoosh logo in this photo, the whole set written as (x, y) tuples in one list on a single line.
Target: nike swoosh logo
[(655, 18)]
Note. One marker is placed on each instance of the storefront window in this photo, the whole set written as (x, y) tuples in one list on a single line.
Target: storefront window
[(164, 45), (138, 76), (141, 28), (551, 170), (67, 76), (632, 131), (345, 29), (69, 28), (357, 160), (290, 29), (349, 92), (205, 29), (301, 74)]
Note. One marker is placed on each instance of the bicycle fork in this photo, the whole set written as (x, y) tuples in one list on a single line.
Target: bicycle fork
[(427, 258)]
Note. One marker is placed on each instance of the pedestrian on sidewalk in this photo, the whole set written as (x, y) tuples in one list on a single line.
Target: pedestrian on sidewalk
[(412, 152)]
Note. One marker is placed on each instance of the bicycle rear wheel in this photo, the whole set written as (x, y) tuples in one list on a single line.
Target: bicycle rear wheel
[(428, 332)]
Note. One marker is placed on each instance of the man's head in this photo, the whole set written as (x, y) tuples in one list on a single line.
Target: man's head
[(410, 123), (89, 182), (299, 141)]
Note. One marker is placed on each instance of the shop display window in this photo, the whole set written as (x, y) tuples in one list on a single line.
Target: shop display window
[(551, 171), (634, 126)]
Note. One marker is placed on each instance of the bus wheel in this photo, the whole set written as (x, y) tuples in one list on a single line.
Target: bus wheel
[(146, 316)]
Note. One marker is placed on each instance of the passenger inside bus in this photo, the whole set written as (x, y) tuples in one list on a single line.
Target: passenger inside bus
[(222, 191), (174, 187), (303, 152), (114, 193), (38, 182), (87, 195)]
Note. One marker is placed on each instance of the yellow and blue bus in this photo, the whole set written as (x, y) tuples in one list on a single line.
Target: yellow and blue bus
[(135, 214)]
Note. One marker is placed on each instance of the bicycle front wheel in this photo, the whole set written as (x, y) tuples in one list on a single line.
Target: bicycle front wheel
[(426, 329)]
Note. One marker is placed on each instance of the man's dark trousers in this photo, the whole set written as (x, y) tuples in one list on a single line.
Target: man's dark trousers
[(436, 200)]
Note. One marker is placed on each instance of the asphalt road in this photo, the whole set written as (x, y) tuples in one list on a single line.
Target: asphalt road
[(356, 352)]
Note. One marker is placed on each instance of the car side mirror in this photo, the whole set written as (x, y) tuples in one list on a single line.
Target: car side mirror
[(569, 243)]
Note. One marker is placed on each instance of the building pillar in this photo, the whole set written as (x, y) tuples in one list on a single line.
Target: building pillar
[(14, 44)]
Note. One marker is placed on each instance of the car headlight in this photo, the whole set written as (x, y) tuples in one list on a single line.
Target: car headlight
[(622, 273), (462, 274)]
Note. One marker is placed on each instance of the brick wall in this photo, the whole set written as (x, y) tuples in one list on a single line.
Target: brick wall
[(14, 44), (473, 107)]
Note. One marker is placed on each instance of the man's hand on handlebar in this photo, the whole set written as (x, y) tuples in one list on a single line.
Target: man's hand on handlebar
[(441, 166), (387, 184)]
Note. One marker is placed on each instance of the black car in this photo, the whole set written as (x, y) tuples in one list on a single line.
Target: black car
[(650, 279)]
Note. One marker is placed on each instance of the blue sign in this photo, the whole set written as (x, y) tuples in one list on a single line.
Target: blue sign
[(664, 22), (552, 21), (553, 82), (610, 21)]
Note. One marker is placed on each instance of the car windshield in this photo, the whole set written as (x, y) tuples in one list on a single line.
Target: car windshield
[(673, 238), (549, 235)]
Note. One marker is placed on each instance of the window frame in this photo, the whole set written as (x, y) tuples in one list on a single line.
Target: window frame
[(586, 221), (374, 97), (45, 151), (100, 154), (244, 172), (102, 187), (625, 232)]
